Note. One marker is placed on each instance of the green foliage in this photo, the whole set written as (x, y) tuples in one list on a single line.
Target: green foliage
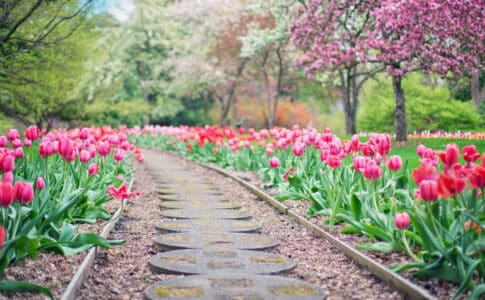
[(427, 108), (128, 113)]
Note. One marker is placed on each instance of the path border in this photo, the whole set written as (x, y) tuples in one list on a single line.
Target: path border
[(83, 271), (404, 286)]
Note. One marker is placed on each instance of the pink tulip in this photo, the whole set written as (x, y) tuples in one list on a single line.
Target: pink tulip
[(359, 163), (334, 161), (19, 152), (17, 143), (7, 193), (298, 149), (394, 163), (420, 150), (12, 134), (372, 171), (93, 169), (8, 177), (3, 141), (27, 142), (84, 134), (119, 154), (428, 190), (84, 156), (46, 149), (24, 192), (32, 133), (274, 162), (40, 183), (7, 163), (103, 148), (402, 220)]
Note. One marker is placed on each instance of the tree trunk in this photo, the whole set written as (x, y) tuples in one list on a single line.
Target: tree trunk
[(345, 79), (478, 94), (230, 98), (400, 114)]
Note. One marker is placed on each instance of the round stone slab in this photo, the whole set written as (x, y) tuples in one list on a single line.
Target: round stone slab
[(183, 225), (200, 204), (201, 261), (234, 286), (191, 197), (205, 214), (214, 240)]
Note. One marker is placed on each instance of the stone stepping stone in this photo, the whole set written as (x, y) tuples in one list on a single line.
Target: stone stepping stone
[(234, 286), (214, 240), (200, 204), (205, 214), (192, 197), (184, 225), (200, 261)]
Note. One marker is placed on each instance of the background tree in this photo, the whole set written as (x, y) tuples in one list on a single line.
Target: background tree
[(332, 35), (431, 36)]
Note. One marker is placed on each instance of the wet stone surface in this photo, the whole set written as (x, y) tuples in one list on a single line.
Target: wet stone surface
[(192, 197), (215, 240), (234, 286), (200, 261), (183, 225), (200, 204), (205, 214)]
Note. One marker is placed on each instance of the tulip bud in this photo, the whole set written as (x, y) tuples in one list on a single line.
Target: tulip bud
[(93, 169), (12, 134), (40, 183), (3, 141), (19, 152), (7, 163), (8, 177), (394, 163), (428, 190), (274, 162), (84, 134), (119, 154), (402, 220)]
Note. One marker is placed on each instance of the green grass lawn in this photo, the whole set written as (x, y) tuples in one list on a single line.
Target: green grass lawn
[(408, 153)]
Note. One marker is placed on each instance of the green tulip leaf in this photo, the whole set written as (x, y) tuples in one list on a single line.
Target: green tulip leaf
[(24, 287)]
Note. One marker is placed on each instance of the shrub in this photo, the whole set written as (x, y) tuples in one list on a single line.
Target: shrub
[(427, 108)]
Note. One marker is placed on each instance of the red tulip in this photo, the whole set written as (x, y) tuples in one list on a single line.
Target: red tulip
[(428, 190), (470, 154), (93, 169), (450, 156), (40, 183), (394, 163), (24, 192), (424, 173), (32, 133), (448, 186), (274, 162), (121, 192), (7, 193), (402, 220), (477, 177)]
